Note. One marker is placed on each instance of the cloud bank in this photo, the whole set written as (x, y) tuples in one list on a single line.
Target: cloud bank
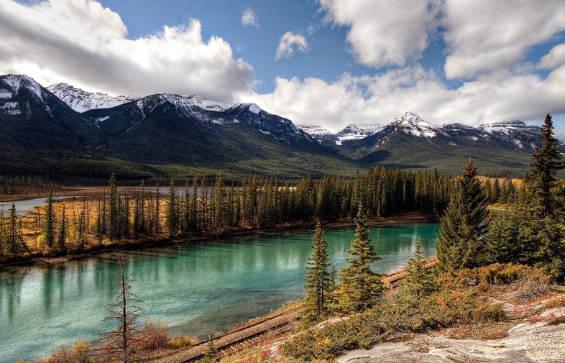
[(81, 42)]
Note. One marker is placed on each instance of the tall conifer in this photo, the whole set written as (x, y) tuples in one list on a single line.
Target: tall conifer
[(359, 287), (317, 279), (463, 225)]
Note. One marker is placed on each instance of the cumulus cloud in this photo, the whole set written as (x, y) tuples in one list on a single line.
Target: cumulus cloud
[(289, 43), (378, 99), (82, 42), (385, 32), (248, 18), (554, 58), (485, 35)]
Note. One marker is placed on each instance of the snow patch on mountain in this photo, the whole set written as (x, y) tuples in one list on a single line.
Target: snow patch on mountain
[(411, 123), (10, 108), (315, 130), (82, 101), (356, 132), (16, 81)]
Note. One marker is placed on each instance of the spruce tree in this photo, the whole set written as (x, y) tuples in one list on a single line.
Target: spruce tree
[(503, 239), (359, 287), (419, 281), (317, 279), (460, 243), (114, 221), (171, 215), (543, 169), (62, 236), (13, 233), (49, 223)]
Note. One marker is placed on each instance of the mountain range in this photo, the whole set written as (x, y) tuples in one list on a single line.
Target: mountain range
[(63, 130)]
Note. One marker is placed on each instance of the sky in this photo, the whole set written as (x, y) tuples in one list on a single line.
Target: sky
[(317, 62)]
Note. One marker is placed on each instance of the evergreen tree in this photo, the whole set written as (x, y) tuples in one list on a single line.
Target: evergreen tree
[(14, 236), (359, 287), (171, 215), (503, 239), (318, 277), (49, 226), (211, 353), (157, 216), (62, 236), (81, 228), (543, 169), (419, 281), (114, 221), (463, 225)]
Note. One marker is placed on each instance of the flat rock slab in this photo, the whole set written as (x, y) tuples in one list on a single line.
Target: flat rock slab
[(526, 342)]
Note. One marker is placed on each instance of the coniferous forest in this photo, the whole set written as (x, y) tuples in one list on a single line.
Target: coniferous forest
[(210, 206)]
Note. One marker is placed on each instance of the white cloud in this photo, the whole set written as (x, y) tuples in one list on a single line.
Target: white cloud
[(289, 43), (248, 18), (554, 58), (385, 32), (486, 35), (378, 99), (82, 42)]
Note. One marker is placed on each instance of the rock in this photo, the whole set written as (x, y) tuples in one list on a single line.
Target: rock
[(526, 342)]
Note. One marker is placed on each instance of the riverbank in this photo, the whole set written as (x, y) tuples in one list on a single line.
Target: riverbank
[(129, 245)]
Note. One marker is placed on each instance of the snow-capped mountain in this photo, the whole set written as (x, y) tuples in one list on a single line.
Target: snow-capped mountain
[(509, 134), (356, 132), (348, 133), (32, 118), (517, 132), (170, 129), (82, 101)]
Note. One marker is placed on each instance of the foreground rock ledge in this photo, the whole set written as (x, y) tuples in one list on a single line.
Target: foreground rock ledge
[(526, 342)]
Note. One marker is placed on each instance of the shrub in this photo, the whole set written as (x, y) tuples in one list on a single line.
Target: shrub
[(151, 337), (78, 352), (182, 341)]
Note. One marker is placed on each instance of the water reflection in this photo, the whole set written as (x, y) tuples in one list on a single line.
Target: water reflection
[(197, 289)]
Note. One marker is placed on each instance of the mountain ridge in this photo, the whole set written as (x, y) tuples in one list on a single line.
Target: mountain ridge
[(158, 133)]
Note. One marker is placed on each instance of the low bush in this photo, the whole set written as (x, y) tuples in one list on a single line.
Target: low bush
[(182, 341), (78, 352), (151, 336)]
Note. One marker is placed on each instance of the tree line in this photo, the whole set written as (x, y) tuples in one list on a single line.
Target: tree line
[(200, 208)]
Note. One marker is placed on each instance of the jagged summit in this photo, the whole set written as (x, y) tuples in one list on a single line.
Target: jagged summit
[(413, 124), (82, 101)]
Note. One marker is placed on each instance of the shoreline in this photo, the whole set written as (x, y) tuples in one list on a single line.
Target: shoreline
[(125, 245)]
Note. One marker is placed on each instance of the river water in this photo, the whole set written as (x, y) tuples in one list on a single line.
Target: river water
[(196, 289)]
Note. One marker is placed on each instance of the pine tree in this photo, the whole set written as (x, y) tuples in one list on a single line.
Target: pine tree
[(359, 287), (318, 277), (49, 227), (81, 230), (543, 169), (419, 281), (211, 353), (157, 217), (114, 228), (171, 215), (503, 239), (463, 225), (62, 236), (13, 236)]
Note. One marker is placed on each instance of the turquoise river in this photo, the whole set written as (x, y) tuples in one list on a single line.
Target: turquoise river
[(196, 289)]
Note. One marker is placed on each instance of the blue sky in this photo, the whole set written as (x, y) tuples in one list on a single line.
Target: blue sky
[(340, 61), (328, 55)]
